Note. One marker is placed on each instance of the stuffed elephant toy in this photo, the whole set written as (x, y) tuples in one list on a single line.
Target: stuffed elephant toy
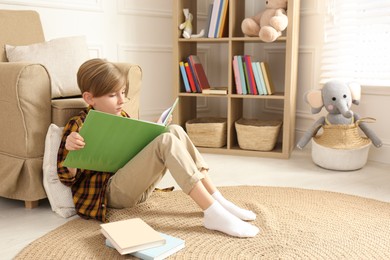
[(337, 97)]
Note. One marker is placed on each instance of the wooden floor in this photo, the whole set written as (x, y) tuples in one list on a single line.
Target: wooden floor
[(20, 226)]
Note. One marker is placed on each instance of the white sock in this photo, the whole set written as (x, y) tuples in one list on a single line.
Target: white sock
[(216, 217), (232, 208)]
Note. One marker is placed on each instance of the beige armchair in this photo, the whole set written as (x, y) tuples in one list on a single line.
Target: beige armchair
[(27, 109)]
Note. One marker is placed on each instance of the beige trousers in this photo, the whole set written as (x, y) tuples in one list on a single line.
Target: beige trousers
[(173, 150)]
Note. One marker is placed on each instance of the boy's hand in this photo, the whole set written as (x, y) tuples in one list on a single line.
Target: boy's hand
[(74, 141)]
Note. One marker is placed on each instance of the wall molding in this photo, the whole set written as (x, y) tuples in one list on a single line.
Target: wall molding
[(124, 7), (84, 5)]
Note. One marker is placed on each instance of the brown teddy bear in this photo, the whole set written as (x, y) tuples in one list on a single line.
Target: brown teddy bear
[(269, 23)]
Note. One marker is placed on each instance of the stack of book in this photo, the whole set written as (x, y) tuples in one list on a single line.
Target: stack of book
[(194, 77), (217, 19), (137, 238), (252, 77)]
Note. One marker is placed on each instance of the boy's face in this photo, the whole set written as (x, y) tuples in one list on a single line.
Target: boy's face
[(111, 103)]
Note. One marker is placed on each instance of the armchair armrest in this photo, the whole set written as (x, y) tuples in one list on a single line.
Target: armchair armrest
[(24, 108), (25, 117)]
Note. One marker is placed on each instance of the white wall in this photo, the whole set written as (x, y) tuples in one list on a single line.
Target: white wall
[(140, 31), (375, 102)]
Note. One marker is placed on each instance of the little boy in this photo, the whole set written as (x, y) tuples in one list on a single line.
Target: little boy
[(104, 87)]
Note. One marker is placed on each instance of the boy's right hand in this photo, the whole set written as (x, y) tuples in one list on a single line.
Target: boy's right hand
[(74, 141)]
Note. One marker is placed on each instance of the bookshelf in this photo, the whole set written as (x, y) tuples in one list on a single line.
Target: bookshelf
[(235, 103)]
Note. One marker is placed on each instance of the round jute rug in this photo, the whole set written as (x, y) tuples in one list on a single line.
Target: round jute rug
[(294, 223)]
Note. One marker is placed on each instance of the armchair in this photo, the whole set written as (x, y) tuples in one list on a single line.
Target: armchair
[(27, 109)]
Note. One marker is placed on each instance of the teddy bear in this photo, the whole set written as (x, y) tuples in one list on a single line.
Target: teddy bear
[(269, 23), (186, 26)]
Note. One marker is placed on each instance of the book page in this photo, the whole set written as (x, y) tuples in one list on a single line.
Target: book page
[(164, 118)]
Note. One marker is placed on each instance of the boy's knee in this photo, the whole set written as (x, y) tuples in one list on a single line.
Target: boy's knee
[(175, 128), (167, 138)]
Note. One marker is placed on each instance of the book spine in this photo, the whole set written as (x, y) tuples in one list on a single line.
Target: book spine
[(248, 87), (237, 76), (264, 89), (214, 17), (200, 74), (251, 77), (223, 24), (219, 18), (193, 72), (242, 75), (208, 20), (190, 77), (184, 77), (257, 78), (264, 69)]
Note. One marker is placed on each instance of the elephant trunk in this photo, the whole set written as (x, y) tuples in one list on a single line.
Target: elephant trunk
[(344, 110)]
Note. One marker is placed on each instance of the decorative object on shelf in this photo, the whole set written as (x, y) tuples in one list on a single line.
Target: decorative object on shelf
[(255, 134), (269, 23), (207, 131), (340, 146), (186, 26)]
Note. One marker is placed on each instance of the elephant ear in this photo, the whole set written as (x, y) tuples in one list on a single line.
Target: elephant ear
[(314, 99), (355, 92)]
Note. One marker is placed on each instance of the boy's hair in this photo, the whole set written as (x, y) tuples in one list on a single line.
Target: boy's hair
[(100, 77)]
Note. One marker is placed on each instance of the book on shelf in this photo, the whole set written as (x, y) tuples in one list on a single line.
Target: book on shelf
[(200, 74), (257, 79), (260, 73), (112, 141), (215, 91), (214, 19), (184, 77), (209, 12), (251, 78), (242, 75), (131, 235), (237, 77), (190, 77), (245, 69), (172, 246), (267, 78), (222, 22), (193, 72)]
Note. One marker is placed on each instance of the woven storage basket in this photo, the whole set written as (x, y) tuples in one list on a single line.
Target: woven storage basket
[(207, 131), (254, 134), (340, 147), (341, 137)]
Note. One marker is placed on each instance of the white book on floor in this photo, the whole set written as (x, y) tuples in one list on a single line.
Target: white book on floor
[(131, 235), (172, 245)]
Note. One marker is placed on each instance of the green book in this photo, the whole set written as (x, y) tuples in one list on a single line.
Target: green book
[(111, 141)]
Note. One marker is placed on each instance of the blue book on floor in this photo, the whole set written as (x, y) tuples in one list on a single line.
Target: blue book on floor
[(172, 245)]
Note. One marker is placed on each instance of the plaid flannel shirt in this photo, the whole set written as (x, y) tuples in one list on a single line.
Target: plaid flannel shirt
[(88, 187)]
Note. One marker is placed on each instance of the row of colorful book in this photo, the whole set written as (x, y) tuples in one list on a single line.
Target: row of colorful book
[(135, 237), (252, 77), (193, 75), (217, 19), (195, 79)]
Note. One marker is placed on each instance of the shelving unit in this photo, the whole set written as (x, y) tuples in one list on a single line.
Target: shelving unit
[(236, 41)]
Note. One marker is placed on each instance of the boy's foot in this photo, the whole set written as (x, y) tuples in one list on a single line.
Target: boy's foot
[(216, 217), (234, 209)]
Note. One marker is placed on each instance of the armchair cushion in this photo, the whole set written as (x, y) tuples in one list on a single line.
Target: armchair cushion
[(59, 195), (61, 57)]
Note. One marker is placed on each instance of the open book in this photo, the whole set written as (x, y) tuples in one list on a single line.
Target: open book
[(111, 141), (164, 118)]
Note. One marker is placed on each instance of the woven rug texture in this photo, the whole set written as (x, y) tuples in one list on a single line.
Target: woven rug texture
[(294, 223)]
